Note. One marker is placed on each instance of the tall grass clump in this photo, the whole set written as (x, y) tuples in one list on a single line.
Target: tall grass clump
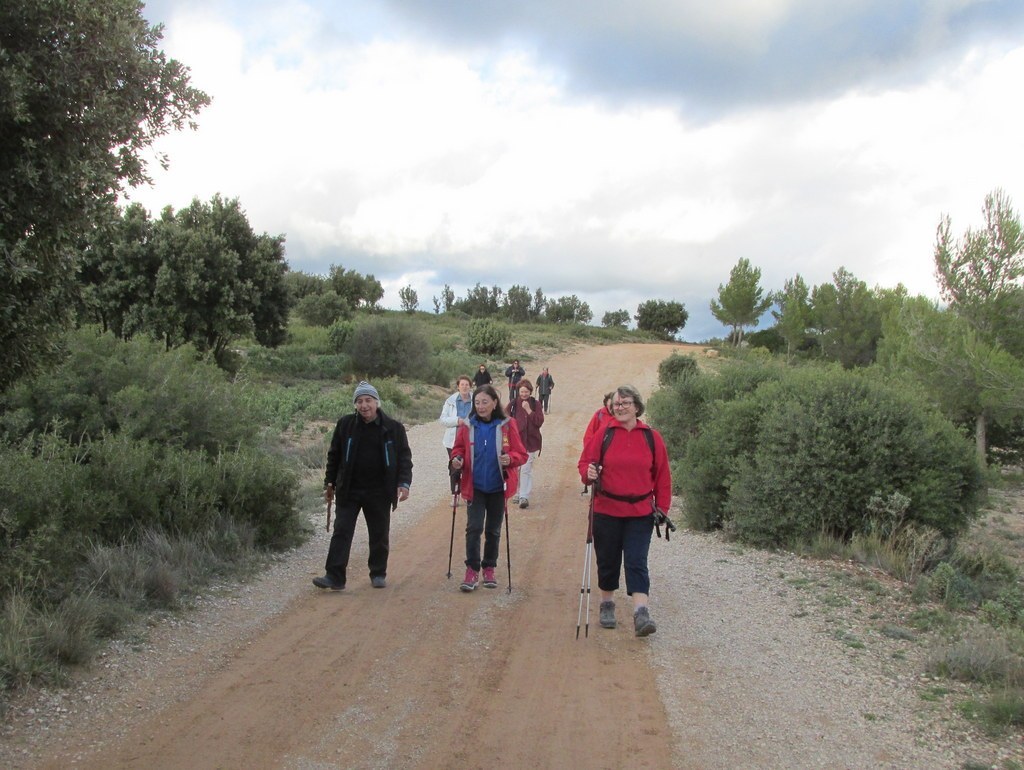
[(981, 655)]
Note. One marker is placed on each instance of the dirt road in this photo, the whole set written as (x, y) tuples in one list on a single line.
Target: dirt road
[(420, 675)]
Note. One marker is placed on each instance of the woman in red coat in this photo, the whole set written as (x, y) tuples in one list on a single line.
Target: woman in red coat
[(488, 452), (630, 476)]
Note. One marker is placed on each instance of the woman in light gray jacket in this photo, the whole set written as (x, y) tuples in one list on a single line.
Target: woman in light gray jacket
[(456, 410)]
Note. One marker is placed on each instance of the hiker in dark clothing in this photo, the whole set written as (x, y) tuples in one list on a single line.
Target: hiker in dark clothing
[(545, 384), (369, 469)]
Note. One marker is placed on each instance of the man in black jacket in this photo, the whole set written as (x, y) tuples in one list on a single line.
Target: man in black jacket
[(369, 468)]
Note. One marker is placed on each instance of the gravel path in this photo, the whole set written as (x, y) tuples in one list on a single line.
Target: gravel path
[(761, 660)]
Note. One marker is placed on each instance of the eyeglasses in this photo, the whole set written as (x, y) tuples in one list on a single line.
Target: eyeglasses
[(621, 404)]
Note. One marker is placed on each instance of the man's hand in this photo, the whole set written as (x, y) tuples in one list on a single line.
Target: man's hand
[(403, 494)]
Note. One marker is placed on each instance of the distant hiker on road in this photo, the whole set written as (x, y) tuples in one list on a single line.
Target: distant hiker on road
[(514, 374), (545, 384), (488, 451), (482, 376), (627, 466), (529, 418), (456, 410), (369, 469)]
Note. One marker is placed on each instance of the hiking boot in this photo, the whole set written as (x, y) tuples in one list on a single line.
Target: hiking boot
[(328, 582), (642, 622), (515, 500), (489, 580), (524, 503), (608, 614), (378, 581), (469, 582)]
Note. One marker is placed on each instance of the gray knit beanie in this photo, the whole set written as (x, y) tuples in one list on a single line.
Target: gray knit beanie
[(365, 389)]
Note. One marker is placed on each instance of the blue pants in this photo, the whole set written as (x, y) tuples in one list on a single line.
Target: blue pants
[(618, 540), (484, 516)]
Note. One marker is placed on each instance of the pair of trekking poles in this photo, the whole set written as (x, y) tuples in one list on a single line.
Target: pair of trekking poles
[(451, 543), (659, 519)]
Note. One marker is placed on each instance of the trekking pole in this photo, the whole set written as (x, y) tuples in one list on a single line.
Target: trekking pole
[(451, 543), (508, 549), (587, 553), (329, 501)]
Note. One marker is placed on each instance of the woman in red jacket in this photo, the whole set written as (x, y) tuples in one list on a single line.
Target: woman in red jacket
[(601, 418), (630, 476), (488, 453)]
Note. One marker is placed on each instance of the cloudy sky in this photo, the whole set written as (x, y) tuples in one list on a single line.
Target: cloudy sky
[(619, 151)]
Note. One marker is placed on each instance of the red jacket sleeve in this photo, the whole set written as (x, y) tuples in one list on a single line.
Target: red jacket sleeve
[(591, 452)]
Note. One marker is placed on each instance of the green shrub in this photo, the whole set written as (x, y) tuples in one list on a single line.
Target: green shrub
[(339, 334), (676, 367), (108, 386), (56, 496), (810, 451), (253, 488), (323, 309), (446, 365), (489, 338), (389, 347), (289, 363), (681, 410)]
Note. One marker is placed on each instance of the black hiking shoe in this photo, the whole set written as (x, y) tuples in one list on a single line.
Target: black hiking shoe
[(642, 622), (378, 581), (608, 614), (328, 582)]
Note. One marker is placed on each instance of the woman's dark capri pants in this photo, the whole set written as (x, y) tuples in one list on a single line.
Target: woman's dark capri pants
[(619, 539)]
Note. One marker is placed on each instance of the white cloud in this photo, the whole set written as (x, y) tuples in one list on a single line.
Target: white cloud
[(432, 164)]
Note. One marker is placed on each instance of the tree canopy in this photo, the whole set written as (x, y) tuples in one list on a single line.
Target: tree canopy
[(665, 319), (199, 275), (980, 274), (742, 301), (85, 90)]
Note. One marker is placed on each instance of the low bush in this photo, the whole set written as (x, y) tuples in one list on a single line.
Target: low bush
[(58, 496), (339, 335), (488, 338), (825, 450), (676, 367), (323, 309), (681, 409), (389, 347), (108, 386), (983, 656)]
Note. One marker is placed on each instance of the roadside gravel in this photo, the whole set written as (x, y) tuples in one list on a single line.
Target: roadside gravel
[(796, 669)]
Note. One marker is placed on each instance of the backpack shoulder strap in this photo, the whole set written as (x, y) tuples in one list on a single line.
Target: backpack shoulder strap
[(609, 434)]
